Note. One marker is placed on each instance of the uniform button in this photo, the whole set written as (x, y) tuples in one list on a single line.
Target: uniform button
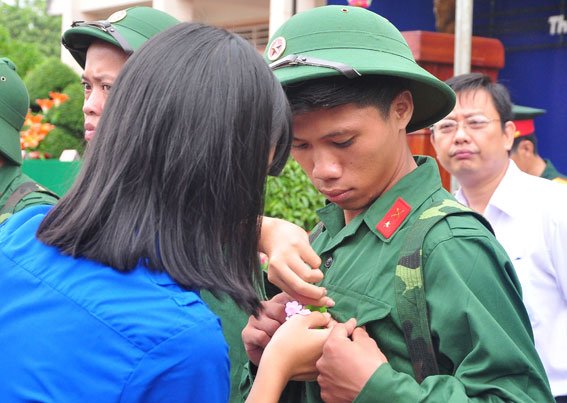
[(328, 262)]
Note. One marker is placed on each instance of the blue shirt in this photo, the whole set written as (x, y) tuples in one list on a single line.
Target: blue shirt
[(75, 330)]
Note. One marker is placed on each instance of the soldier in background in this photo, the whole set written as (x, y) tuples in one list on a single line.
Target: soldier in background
[(17, 190), (102, 47), (524, 150)]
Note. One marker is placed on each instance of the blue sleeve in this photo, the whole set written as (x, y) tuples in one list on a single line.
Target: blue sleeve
[(192, 366)]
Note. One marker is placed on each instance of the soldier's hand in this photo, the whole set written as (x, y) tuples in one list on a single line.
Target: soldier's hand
[(259, 331), (293, 264), (350, 357)]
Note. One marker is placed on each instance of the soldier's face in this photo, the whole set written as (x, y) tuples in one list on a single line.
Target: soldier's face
[(103, 63), (353, 154), (474, 155)]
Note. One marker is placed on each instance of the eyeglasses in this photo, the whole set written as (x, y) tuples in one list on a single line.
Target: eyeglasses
[(107, 27), (473, 125)]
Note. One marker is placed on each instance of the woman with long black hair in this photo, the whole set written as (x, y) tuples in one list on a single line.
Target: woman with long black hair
[(100, 292)]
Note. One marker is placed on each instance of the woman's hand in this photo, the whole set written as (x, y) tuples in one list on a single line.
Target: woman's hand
[(291, 354)]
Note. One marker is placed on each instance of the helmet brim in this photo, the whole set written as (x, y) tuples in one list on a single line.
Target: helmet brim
[(432, 98), (9, 148)]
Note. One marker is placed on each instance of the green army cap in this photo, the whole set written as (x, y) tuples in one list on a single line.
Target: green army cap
[(524, 119), (352, 41), (525, 112), (14, 104), (128, 29)]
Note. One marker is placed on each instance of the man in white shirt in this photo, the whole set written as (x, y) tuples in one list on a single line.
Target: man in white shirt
[(526, 212)]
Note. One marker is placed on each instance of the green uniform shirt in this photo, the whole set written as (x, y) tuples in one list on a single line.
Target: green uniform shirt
[(233, 320), (550, 172), (480, 329), (11, 177)]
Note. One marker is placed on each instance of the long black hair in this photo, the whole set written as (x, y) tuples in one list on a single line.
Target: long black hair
[(174, 178)]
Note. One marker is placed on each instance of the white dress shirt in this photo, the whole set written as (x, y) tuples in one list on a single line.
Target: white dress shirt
[(529, 217)]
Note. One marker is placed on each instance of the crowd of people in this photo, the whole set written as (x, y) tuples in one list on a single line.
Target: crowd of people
[(142, 282)]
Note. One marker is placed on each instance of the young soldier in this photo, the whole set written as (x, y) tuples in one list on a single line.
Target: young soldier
[(524, 149), (17, 190), (355, 90), (472, 143), (102, 47)]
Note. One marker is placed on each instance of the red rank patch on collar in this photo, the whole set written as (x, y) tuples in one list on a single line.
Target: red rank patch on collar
[(394, 218)]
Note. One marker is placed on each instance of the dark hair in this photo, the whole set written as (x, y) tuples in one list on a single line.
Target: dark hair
[(477, 81), (174, 178), (330, 92), (529, 137)]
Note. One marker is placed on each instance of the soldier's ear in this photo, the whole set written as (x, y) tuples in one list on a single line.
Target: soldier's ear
[(402, 108), (526, 147)]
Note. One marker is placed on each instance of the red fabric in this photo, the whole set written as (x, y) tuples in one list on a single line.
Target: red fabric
[(394, 218), (524, 127)]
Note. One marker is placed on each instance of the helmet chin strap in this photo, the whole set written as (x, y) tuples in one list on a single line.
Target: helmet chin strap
[(298, 60), (107, 27)]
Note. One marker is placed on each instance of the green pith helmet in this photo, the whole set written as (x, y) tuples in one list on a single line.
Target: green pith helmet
[(352, 41), (14, 104), (128, 29)]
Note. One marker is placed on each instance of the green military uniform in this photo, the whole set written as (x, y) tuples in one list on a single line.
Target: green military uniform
[(233, 320), (550, 172), (11, 177), (481, 335), (17, 191)]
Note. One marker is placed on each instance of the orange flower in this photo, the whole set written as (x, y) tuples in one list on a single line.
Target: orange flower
[(29, 139), (46, 128), (32, 119), (37, 131), (58, 97), (45, 104)]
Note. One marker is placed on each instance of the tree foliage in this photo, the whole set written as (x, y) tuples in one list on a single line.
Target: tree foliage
[(27, 23), (24, 55), (69, 115), (50, 75), (291, 196)]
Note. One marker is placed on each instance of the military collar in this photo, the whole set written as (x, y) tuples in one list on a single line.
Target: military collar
[(550, 172), (413, 189)]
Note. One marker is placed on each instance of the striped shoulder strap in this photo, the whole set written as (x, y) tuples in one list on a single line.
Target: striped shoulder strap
[(409, 286), (18, 194)]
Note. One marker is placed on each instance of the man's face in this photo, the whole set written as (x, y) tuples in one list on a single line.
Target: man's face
[(352, 154), (478, 151), (103, 63)]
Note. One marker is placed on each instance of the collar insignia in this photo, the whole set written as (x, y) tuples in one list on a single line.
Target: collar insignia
[(393, 218)]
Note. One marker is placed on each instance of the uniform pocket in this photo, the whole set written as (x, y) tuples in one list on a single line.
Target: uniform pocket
[(350, 304)]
